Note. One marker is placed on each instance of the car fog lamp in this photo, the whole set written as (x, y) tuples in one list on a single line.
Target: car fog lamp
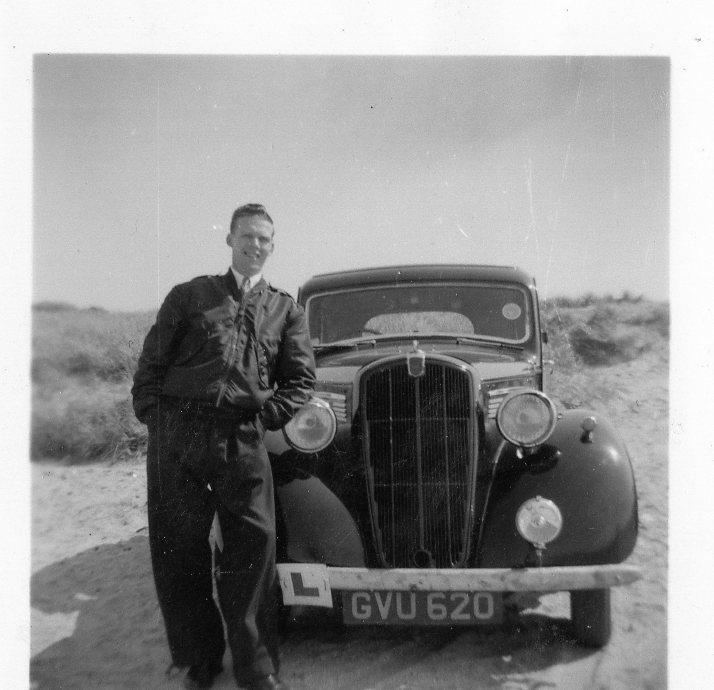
[(312, 428), (539, 521), (526, 418)]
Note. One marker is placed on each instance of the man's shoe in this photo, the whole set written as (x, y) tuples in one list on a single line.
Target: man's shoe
[(202, 675), (270, 682)]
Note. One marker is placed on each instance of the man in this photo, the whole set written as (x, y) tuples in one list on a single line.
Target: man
[(228, 357)]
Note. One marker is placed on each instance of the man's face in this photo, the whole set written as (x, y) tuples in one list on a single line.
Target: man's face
[(252, 243)]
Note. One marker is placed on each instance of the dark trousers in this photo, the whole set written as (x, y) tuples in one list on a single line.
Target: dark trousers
[(200, 463)]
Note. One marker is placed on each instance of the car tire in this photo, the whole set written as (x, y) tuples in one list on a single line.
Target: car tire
[(590, 615)]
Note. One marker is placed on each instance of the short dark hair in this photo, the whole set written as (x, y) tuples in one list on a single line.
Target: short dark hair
[(249, 210)]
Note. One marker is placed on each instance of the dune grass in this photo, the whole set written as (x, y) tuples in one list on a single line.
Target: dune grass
[(82, 365), (84, 359)]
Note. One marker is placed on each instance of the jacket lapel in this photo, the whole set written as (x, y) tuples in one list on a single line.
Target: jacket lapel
[(231, 286)]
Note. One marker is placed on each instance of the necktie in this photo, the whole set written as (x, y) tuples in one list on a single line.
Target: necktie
[(244, 290)]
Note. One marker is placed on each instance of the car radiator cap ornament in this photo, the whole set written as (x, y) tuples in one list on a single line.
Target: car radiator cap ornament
[(416, 361)]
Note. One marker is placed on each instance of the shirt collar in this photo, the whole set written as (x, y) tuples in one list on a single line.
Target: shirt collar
[(252, 281)]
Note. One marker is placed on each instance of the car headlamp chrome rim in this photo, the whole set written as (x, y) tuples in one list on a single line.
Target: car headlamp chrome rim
[(526, 418), (312, 428), (539, 521)]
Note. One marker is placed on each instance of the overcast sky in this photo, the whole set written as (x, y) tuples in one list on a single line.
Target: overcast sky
[(556, 164)]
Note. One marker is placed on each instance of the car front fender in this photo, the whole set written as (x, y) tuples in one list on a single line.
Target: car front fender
[(588, 476), (314, 526)]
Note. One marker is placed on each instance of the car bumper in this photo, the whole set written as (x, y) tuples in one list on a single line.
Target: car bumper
[(551, 579), (312, 584)]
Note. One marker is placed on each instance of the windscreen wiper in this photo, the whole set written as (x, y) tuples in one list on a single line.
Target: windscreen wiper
[(344, 344), (490, 343)]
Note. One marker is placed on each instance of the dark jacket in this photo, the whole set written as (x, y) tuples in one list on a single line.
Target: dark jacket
[(212, 345)]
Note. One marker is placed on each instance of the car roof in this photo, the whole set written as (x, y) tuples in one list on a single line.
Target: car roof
[(414, 273)]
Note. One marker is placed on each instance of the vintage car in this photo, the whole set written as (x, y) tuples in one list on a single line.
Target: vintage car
[(432, 476)]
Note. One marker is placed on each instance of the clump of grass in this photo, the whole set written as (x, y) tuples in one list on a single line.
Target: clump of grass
[(591, 299), (84, 422), (600, 338), (595, 348), (82, 367), (606, 331), (572, 302), (559, 348), (654, 315), (87, 344)]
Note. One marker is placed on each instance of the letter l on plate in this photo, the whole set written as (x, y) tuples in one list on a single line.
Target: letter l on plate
[(305, 584)]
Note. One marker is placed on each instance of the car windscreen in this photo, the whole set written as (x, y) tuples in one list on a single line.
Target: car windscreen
[(498, 312)]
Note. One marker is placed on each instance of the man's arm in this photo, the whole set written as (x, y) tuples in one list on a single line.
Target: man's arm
[(295, 374), (157, 355)]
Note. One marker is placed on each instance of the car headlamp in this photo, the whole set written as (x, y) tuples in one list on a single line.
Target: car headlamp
[(312, 428), (526, 418), (539, 521)]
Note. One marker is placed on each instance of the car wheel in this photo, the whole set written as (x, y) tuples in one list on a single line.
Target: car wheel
[(590, 615)]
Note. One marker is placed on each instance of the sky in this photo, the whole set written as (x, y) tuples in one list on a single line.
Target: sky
[(559, 165)]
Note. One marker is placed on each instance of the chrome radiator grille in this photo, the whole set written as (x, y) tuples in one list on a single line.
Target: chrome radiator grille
[(419, 448)]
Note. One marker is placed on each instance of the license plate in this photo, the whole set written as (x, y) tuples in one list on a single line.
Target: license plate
[(421, 608)]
